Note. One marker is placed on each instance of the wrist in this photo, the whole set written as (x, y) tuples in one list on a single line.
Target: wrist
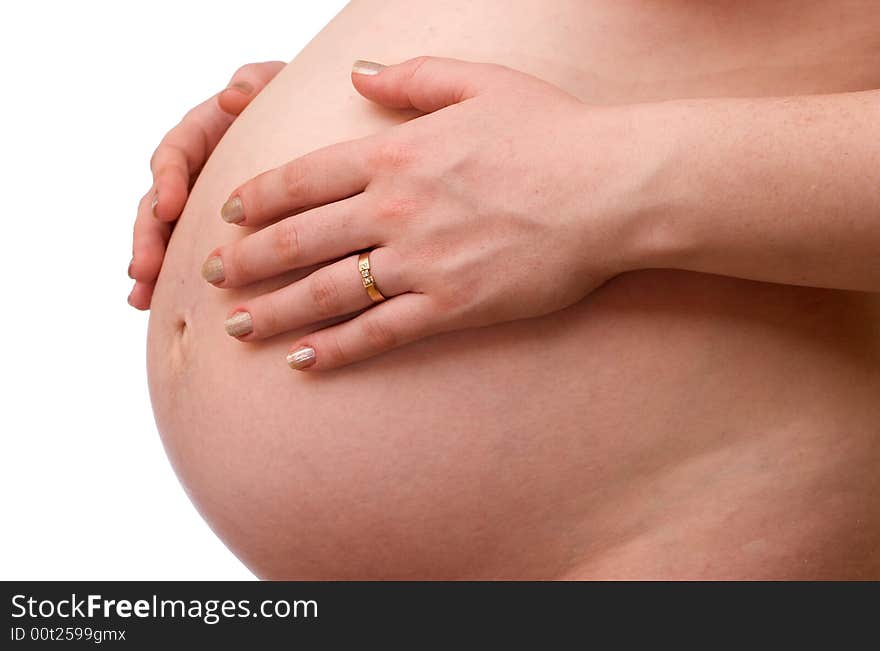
[(655, 204)]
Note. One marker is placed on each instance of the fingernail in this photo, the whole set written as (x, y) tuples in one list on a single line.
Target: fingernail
[(232, 211), (242, 86), (362, 67), (239, 324), (129, 269), (155, 203), (212, 270), (301, 358)]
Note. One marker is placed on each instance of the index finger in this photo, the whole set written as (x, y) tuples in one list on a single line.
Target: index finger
[(323, 176), (182, 153)]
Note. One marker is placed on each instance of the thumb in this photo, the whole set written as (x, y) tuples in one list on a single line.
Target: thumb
[(424, 83)]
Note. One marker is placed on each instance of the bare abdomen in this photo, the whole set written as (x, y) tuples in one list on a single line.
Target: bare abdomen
[(525, 450)]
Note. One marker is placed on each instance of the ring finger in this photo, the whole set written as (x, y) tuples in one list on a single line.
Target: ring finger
[(331, 291)]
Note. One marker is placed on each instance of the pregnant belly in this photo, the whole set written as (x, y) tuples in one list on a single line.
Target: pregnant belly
[(669, 412)]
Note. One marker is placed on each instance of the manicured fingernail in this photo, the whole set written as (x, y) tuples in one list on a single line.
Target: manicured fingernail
[(361, 67), (129, 269), (232, 211), (239, 324), (301, 358), (212, 270), (243, 87), (155, 203)]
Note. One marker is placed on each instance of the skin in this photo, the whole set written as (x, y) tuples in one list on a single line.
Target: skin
[(176, 164), (452, 255), (380, 193), (670, 424)]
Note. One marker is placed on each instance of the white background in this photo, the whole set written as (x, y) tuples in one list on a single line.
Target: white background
[(87, 91)]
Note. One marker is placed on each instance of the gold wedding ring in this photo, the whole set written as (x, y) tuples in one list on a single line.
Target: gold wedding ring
[(367, 277)]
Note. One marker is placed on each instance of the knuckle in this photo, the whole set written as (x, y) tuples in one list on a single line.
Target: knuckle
[(438, 320), (416, 65), (446, 303), (444, 308), (154, 157), (169, 156), (286, 242), (236, 265), (447, 293), (295, 179), (242, 70), (395, 155), (253, 193), (419, 61), (324, 294), (334, 351), (398, 268), (380, 335), (188, 118), (269, 317), (396, 208)]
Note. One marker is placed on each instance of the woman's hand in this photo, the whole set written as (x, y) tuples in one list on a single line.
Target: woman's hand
[(176, 164), (510, 199)]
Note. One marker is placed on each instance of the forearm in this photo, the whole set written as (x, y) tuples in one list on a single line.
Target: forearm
[(783, 190)]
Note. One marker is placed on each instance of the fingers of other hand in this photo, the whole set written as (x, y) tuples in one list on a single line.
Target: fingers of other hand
[(175, 163), (331, 291), (181, 155), (150, 239), (141, 295), (321, 177), (184, 150), (246, 83)]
